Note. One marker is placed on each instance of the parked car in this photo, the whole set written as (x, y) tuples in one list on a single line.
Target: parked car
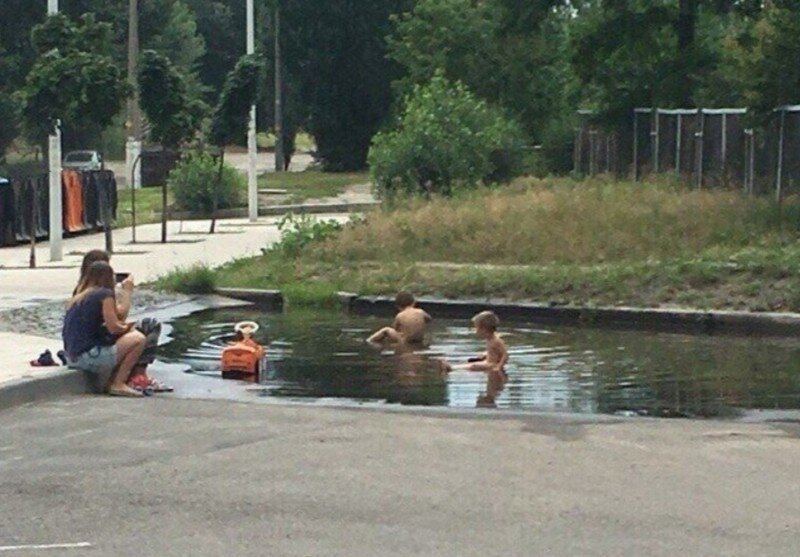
[(83, 160)]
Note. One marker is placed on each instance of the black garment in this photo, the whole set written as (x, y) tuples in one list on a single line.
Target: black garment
[(7, 234), (106, 186), (41, 187), (23, 204), (91, 202), (84, 324)]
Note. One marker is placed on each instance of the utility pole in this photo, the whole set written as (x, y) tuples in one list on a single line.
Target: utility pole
[(279, 146), (252, 153), (54, 178), (133, 146)]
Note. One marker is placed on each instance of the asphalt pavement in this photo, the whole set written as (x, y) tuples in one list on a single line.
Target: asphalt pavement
[(166, 477)]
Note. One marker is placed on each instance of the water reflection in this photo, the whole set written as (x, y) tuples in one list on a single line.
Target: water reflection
[(324, 355)]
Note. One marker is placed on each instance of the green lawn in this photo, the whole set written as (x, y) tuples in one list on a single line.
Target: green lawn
[(312, 184), (148, 206)]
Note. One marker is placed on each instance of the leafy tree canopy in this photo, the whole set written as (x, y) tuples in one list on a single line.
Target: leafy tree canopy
[(232, 113), (175, 117), (74, 79)]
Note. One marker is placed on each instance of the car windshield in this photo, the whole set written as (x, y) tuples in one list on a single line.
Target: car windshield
[(80, 157)]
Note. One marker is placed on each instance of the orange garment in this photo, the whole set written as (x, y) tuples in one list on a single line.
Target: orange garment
[(72, 187)]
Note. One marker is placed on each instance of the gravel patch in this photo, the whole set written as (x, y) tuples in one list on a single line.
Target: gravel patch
[(46, 319)]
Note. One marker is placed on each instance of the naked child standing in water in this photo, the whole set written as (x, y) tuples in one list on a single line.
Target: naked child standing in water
[(409, 325)]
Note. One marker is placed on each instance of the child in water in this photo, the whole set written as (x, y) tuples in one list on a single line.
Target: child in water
[(492, 362), (409, 324)]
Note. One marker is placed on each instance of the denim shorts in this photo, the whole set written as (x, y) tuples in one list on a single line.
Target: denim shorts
[(100, 360)]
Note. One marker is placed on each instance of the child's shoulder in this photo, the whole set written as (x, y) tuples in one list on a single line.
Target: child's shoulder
[(497, 341)]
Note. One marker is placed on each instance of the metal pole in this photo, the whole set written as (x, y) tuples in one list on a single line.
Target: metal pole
[(779, 173), (54, 156), (576, 153), (635, 146), (678, 142), (752, 177), (724, 144), (134, 115), (655, 135), (699, 148), (252, 153), (279, 146), (56, 217), (133, 199)]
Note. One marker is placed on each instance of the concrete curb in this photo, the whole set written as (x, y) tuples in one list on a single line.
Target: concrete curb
[(731, 322), (265, 299), (47, 386)]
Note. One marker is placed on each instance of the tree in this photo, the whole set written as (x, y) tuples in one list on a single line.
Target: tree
[(221, 25), (175, 117), (508, 52), (74, 80), (773, 67), (445, 139), (336, 57), (232, 113)]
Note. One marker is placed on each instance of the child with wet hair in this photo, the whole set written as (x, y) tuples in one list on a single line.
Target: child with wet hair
[(409, 325), (494, 360), (496, 356)]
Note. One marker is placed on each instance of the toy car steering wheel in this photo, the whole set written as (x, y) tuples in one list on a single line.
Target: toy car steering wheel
[(252, 325)]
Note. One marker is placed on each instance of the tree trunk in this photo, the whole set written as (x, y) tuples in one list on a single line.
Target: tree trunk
[(214, 203), (279, 143), (685, 27)]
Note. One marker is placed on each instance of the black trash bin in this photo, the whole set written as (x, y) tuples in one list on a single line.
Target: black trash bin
[(156, 166)]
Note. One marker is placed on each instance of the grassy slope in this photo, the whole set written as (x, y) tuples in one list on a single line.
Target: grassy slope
[(559, 242)]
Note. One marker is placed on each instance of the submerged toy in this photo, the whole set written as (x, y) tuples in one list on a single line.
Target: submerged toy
[(244, 358)]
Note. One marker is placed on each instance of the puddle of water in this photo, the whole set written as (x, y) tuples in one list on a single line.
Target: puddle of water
[(322, 355)]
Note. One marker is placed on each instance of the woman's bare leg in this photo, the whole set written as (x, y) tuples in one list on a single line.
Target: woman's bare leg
[(129, 348)]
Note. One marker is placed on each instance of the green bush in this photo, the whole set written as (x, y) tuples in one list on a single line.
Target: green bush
[(198, 279), (299, 231), (196, 187), (445, 139)]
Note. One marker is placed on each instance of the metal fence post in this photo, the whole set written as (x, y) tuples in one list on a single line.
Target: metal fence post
[(779, 171), (678, 140), (724, 144), (635, 146), (655, 134), (699, 148)]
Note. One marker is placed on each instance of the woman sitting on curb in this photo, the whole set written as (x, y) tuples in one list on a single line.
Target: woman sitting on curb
[(91, 315), (150, 327)]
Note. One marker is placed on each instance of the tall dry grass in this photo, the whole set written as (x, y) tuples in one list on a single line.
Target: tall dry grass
[(562, 221)]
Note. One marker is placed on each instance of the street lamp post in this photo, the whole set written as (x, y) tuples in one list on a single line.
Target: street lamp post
[(252, 154), (54, 156)]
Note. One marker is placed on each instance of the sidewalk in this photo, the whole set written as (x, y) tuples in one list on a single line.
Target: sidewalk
[(189, 244)]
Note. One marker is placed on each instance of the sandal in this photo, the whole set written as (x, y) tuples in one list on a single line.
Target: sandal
[(124, 392)]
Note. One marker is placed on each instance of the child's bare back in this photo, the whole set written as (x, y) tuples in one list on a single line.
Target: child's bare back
[(409, 325), (412, 323)]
